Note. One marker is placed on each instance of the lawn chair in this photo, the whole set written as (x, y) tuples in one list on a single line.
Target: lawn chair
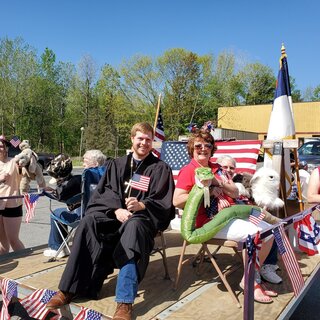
[(89, 180), (245, 154)]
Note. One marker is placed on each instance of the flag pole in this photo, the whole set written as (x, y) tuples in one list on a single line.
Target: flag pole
[(157, 113)]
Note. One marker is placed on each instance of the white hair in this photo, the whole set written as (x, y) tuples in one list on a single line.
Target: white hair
[(95, 156), (226, 157)]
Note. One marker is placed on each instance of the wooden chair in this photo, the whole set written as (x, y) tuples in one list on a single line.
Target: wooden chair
[(204, 251)]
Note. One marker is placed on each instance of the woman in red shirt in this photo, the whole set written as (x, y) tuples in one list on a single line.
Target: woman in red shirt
[(223, 191)]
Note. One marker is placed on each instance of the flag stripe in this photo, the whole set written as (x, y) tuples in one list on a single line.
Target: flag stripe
[(159, 135), (289, 259), (281, 124), (244, 152)]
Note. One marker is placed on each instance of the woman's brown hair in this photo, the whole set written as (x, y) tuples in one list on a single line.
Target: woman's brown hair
[(203, 135)]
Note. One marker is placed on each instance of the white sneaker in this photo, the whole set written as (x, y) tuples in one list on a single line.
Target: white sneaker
[(52, 253), (268, 273)]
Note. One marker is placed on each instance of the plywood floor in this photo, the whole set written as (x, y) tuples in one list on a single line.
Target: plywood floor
[(199, 296)]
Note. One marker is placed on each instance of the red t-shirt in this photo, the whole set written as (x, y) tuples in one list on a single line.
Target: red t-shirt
[(186, 181)]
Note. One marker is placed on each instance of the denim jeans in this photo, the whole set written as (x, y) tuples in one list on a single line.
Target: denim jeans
[(66, 216), (272, 257), (127, 284)]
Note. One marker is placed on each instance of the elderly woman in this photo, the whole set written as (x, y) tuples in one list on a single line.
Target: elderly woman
[(10, 209), (201, 147), (68, 185)]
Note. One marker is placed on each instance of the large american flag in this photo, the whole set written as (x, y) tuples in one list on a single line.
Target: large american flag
[(159, 134), (35, 304), (30, 201), (289, 259), (87, 314), (8, 290), (245, 152)]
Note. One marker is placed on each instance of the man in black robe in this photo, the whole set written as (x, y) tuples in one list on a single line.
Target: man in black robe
[(132, 202)]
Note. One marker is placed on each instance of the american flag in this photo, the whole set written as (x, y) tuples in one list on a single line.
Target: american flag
[(289, 259), (256, 216), (35, 304), (308, 235), (30, 201), (175, 154), (15, 141), (245, 152), (87, 314), (9, 290), (140, 182), (158, 134)]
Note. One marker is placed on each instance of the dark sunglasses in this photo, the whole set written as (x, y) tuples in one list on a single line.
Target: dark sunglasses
[(203, 145)]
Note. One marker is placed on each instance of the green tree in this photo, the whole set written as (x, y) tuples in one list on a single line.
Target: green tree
[(258, 84)]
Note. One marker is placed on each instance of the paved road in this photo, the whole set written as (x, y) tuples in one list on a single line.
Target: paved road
[(36, 232)]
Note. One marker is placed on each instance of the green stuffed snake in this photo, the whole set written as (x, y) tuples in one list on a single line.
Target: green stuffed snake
[(190, 211)]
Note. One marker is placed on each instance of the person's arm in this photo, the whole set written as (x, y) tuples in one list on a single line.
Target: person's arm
[(180, 197), (227, 186), (313, 195)]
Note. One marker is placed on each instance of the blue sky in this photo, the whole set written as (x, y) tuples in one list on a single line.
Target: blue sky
[(111, 31)]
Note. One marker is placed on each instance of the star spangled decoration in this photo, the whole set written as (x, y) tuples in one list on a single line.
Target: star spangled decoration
[(88, 314), (8, 290), (175, 154)]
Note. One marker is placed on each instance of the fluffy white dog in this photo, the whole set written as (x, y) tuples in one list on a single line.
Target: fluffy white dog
[(265, 187)]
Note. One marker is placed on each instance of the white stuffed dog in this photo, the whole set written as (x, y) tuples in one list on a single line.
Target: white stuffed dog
[(265, 187), (27, 160)]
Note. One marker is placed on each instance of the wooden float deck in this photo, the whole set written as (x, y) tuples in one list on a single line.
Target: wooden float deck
[(198, 296)]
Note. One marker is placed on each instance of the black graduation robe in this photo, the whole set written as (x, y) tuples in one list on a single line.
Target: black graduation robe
[(102, 242)]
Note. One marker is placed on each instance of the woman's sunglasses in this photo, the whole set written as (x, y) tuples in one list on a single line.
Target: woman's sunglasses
[(199, 146)]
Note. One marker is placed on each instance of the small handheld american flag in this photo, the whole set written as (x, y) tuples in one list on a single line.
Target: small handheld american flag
[(140, 182), (256, 216), (30, 201)]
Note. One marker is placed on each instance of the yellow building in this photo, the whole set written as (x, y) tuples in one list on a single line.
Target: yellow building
[(256, 119)]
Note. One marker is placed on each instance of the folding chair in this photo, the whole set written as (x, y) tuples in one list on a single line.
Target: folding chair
[(162, 250), (89, 180), (245, 154), (200, 256)]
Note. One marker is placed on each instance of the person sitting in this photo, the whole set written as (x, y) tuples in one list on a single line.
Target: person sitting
[(68, 185), (132, 202), (201, 147)]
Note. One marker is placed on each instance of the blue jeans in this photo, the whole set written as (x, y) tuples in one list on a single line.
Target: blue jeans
[(272, 257), (127, 284), (55, 239)]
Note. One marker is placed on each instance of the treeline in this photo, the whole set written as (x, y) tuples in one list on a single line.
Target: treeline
[(49, 101)]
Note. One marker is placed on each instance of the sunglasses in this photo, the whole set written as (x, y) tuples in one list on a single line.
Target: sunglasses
[(228, 167), (199, 146)]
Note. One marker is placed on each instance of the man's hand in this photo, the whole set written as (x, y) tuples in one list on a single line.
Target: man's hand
[(123, 214), (133, 204)]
